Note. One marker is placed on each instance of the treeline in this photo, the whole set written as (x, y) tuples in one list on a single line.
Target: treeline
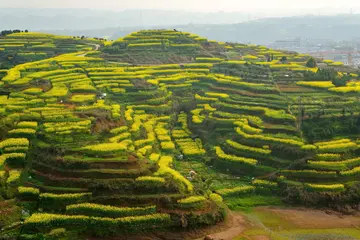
[(7, 32), (328, 75)]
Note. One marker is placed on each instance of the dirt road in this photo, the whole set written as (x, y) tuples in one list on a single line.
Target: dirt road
[(236, 225)]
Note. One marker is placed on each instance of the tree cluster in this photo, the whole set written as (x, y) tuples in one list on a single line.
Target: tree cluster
[(321, 75), (311, 63), (7, 32)]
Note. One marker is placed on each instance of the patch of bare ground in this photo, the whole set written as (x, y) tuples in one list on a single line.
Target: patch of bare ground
[(310, 218), (235, 226)]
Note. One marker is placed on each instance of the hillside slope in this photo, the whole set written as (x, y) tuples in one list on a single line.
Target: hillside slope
[(160, 128)]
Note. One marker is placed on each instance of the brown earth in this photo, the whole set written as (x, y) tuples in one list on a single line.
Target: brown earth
[(310, 218), (236, 225)]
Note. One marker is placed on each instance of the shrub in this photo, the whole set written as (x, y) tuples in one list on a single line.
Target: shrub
[(115, 111), (340, 141), (309, 147), (150, 182), (105, 148), (271, 114), (311, 63), (317, 84), (179, 134), (149, 141), (324, 188), (269, 140), (28, 193), (265, 184), (246, 128), (208, 108), (82, 87), (38, 221), (144, 45), (197, 119), (2, 161), (338, 148), (326, 165), (57, 233), (238, 146), (83, 98), (167, 146), (164, 169), (347, 89), (57, 91), (221, 95), (67, 127), (354, 162), (328, 156), (32, 125), (234, 159), (50, 200), (120, 137), (14, 178), (309, 174), (14, 158), (243, 190), (189, 147), (351, 173), (14, 142), (3, 177), (97, 210), (185, 47), (216, 198), (119, 130), (208, 60), (22, 132), (205, 99), (194, 202), (154, 157)]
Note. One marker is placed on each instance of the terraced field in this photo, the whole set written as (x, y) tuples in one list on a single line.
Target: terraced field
[(26, 47), (163, 129)]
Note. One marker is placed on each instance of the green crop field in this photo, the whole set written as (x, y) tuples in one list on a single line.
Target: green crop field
[(165, 130)]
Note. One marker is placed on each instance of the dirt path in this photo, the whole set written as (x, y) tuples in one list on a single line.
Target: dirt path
[(97, 46), (236, 225)]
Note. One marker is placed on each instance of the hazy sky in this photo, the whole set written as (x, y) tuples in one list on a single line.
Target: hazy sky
[(305, 6)]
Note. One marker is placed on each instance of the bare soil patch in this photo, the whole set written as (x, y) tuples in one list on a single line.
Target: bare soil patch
[(236, 225), (310, 218)]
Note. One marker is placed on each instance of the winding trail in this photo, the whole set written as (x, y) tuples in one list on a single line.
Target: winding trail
[(97, 46), (237, 225)]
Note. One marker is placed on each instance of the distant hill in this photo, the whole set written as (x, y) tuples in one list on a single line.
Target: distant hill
[(336, 28), (263, 31), (78, 19), (220, 26)]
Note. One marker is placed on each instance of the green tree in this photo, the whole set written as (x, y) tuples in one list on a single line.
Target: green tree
[(339, 82), (283, 59), (311, 63)]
